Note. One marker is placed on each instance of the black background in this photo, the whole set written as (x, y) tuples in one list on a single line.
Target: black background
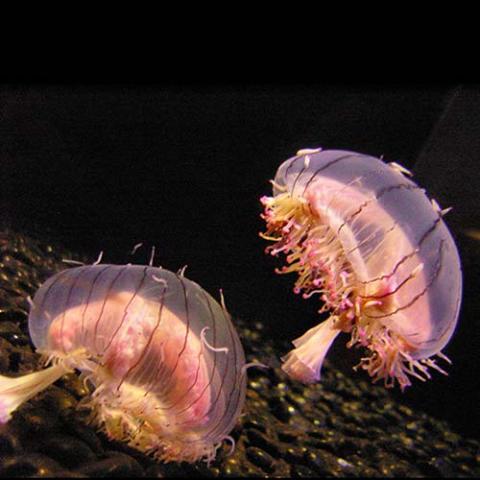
[(182, 168)]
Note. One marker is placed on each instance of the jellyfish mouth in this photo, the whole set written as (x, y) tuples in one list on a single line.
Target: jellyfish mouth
[(304, 363), (14, 391)]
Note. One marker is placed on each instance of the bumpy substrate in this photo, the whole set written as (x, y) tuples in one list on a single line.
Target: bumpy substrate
[(336, 428)]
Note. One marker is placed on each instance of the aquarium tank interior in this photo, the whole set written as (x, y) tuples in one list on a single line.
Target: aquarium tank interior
[(162, 246)]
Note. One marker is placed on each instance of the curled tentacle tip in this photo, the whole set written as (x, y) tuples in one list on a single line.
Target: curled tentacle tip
[(181, 271), (254, 364)]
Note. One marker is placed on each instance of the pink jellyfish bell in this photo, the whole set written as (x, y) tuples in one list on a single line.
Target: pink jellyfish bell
[(165, 361), (375, 249)]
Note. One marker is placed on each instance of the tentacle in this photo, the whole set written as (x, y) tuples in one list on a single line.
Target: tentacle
[(250, 365), (135, 248), (232, 447), (152, 256), (205, 342), (72, 262), (99, 259)]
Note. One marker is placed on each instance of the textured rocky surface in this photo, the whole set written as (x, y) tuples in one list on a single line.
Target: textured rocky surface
[(336, 428)]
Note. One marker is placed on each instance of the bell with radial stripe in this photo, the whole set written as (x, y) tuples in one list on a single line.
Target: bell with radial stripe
[(165, 361), (368, 242)]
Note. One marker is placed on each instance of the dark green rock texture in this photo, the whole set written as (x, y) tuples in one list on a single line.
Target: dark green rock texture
[(337, 428)]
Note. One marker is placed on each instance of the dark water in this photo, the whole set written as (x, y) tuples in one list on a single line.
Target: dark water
[(183, 169)]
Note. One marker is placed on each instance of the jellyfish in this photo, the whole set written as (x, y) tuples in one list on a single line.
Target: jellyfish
[(367, 241), (163, 357)]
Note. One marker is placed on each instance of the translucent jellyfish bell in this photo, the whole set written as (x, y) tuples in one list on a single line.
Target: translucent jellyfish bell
[(367, 240), (165, 360)]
